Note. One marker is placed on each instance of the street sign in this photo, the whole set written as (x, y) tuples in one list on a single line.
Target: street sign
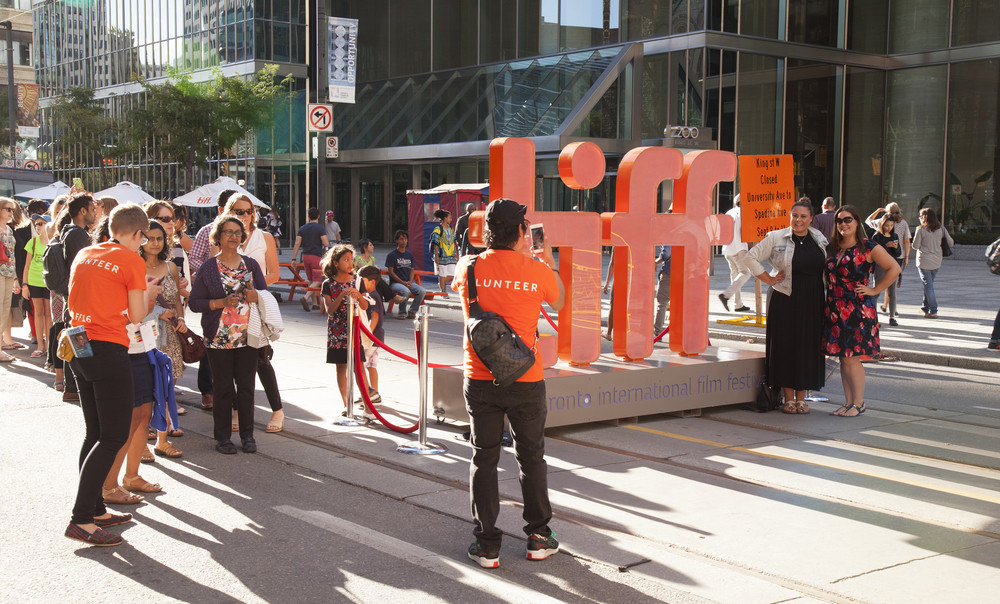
[(767, 192), (332, 147), (32, 165), (315, 147), (320, 118)]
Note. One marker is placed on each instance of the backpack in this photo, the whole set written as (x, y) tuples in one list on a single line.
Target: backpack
[(993, 257), (55, 269)]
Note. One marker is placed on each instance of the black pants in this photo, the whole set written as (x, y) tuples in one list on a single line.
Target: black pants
[(69, 382), (233, 376), (523, 403), (205, 376), (105, 383), (267, 378)]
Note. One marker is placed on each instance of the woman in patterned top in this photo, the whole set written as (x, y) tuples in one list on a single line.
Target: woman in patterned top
[(225, 287)]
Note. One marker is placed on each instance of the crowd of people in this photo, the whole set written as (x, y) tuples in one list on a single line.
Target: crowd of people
[(134, 271)]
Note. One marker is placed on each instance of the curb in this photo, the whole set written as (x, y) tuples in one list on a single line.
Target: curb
[(909, 356)]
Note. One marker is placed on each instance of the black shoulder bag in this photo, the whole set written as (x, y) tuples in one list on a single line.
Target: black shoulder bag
[(496, 344)]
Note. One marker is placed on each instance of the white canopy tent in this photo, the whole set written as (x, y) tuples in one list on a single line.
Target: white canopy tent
[(48, 192), (205, 196), (126, 193)]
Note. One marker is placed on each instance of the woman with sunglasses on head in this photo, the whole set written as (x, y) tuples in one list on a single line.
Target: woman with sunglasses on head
[(163, 212), (850, 328), (793, 357), (260, 246), (225, 287), (928, 243)]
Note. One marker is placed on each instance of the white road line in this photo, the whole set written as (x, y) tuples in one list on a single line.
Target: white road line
[(461, 571), (986, 408)]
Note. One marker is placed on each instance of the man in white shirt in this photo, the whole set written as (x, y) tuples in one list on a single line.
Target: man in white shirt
[(734, 252)]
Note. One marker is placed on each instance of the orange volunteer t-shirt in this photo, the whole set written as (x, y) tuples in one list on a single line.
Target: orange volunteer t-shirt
[(99, 282), (513, 286)]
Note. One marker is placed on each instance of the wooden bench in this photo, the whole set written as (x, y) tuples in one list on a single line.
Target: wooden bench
[(419, 275), (295, 281)]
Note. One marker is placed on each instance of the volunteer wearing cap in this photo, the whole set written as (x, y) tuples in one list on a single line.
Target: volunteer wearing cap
[(512, 283), (332, 228)]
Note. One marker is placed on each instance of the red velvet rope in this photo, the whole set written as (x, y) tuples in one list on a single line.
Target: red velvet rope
[(399, 354), (359, 372)]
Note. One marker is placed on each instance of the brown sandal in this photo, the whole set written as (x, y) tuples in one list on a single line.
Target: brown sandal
[(168, 451), (147, 456), (789, 407), (120, 496), (140, 484)]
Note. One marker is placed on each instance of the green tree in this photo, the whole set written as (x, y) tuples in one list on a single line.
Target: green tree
[(189, 122), (81, 122)]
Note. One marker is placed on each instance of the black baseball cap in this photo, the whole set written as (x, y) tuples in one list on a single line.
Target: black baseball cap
[(504, 213)]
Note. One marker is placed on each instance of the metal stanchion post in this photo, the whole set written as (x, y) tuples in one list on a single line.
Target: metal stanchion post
[(348, 418), (422, 447), (815, 398)]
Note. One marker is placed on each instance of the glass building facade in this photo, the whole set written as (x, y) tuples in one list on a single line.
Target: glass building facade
[(877, 100)]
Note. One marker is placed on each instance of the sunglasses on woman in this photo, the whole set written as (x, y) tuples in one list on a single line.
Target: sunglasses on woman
[(844, 220), (243, 212), (165, 219)]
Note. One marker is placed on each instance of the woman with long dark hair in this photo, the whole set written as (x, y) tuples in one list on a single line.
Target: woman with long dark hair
[(927, 242), (850, 328)]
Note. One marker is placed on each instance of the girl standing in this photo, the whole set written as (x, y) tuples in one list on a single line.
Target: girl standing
[(927, 242), (338, 264), (444, 250), (886, 237)]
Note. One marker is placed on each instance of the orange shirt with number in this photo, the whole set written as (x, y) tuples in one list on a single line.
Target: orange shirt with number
[(512, 285), (99, 282)]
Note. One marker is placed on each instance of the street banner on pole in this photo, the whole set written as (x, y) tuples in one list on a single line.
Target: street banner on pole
[(767, 192), (343, 56)]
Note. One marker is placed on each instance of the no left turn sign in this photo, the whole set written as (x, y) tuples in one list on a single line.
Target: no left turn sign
[(31, 165), (320, 118)]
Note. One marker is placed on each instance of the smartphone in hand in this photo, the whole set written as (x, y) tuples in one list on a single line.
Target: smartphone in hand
[(537, 237)]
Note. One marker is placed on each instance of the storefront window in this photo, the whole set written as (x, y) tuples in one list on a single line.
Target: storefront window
[(760, 18), (916, 25), (863, 128), (813, 22), (455, 33), (867, 25), (971, 200), (758, 130), (409, 46), (645, 19), (975, 22), (914, 147), (811, 135)]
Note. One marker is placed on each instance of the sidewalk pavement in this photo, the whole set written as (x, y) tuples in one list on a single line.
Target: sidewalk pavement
[(968, 297)]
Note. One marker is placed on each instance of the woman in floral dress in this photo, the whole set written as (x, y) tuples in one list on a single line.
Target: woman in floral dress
[(850, 323)]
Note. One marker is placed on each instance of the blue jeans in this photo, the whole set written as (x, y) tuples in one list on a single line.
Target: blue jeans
[(418, 296), (929, 302), (524, 405)]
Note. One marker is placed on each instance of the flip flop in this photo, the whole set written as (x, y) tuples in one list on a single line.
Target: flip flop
[(275, 426), (6, 358), (37, 353)]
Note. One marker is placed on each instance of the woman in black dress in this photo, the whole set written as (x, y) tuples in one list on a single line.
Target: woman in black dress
[(794, 354)]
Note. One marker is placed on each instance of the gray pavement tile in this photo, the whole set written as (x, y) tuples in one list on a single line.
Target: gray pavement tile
[(927, 578)]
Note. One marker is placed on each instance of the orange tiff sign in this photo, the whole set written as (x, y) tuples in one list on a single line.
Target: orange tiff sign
[(767, 191), (634, 230)]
